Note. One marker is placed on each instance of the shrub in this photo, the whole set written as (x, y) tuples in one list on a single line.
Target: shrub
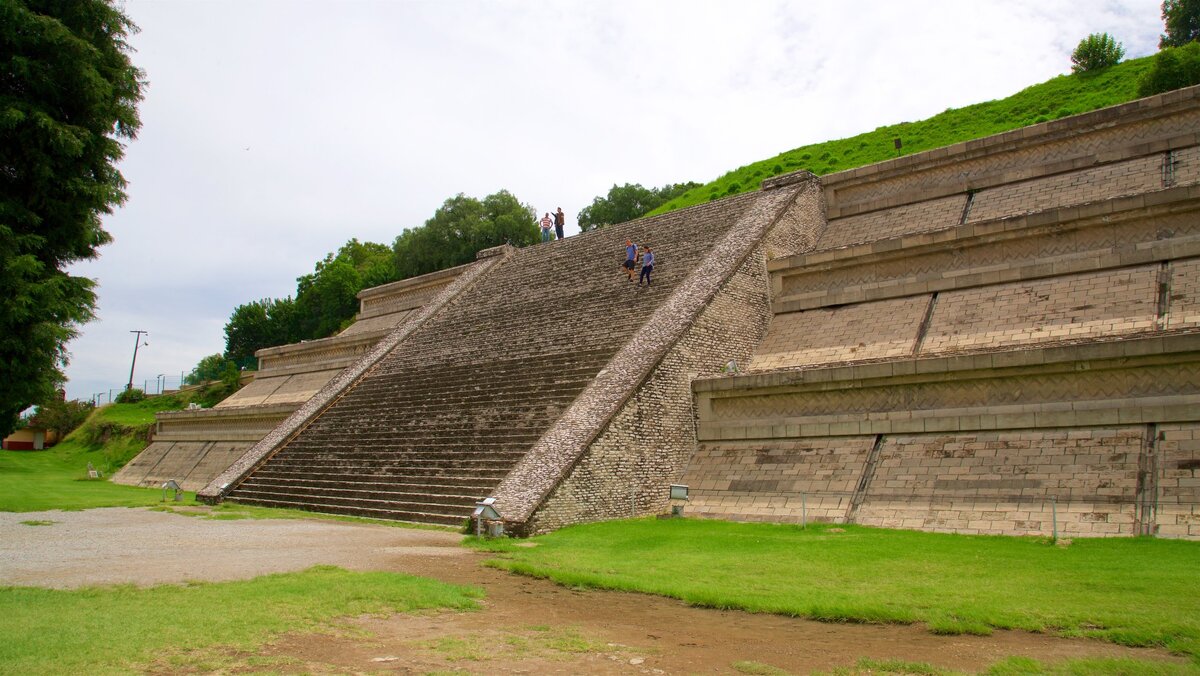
[(1173, 68), (130, 396), (1096, 51), (61, 416)]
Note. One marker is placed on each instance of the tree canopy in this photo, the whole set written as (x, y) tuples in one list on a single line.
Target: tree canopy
[(1174, 68), (327, 298), (1182, 22), (627, 202), (213, 367), (462, 227), (68, 96), (1096, 51)]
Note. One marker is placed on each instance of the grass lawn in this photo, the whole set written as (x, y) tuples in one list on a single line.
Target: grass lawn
[(173, 628), (57, 478), (34, 481), (1138, 592)]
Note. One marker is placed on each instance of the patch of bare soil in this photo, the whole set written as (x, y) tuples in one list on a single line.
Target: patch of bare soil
[(537, 627)]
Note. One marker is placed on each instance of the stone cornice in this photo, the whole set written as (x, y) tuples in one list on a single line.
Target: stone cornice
[(979, 254)]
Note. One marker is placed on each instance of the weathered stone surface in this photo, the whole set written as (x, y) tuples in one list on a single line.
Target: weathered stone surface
[(1029, 368), (441, 419), (997, 337), (288, 376)]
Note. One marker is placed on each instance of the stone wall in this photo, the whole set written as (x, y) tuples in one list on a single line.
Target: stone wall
[(1157, 125), (989, 443), (997, 337)]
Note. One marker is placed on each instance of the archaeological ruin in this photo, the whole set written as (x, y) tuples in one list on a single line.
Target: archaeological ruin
[(1000, 336)]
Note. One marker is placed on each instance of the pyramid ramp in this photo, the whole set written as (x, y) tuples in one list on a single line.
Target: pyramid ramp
[(501, 388)]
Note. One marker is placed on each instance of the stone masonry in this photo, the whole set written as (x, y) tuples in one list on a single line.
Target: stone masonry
[(498, 377), (997, 337), (193, 447), (1001, 336)]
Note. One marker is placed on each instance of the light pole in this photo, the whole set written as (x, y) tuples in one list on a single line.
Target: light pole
[(161, 382), (136, 340)]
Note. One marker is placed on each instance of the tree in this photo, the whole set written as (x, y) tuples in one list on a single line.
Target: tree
[(258, 324), (68, 96), (326, 300), (1173, 68), (60, 415), (1096, 51), (462, 227), (627, 202), (1182, 21), (213, 367)]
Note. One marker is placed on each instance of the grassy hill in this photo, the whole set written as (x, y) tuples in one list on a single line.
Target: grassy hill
[(1060, 97)]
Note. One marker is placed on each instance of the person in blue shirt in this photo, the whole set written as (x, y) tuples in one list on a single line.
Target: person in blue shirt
[(647, 265), (631, 252)]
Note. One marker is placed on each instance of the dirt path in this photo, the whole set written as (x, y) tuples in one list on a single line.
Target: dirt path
[(526, 626)]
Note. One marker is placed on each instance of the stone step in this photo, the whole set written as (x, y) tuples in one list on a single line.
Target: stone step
[(437, 436), (429, 441), (528, 399), (482, 384), (482, 488), (398, 465), (413, 475), (483, 380), (464, 484), (338, 500), (396, 450), (393, 497), (428, 517)]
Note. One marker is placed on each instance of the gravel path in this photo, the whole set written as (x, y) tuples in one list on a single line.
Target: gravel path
[(143, 547)]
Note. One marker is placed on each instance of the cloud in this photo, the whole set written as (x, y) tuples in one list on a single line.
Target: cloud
[(275, 131)]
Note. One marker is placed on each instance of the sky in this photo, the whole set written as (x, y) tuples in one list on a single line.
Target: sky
[(273, 131)]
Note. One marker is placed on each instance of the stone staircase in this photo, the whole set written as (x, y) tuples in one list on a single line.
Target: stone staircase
[(442, 419)]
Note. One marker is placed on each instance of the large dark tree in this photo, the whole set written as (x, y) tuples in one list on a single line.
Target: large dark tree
[(68, 95), (1182, 21), (627, 202), (462, 227)]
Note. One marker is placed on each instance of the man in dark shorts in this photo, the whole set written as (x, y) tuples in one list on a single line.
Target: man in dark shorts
[(630, 263), (560, 219)]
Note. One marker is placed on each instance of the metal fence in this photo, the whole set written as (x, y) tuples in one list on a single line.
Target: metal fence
[(163, 383)]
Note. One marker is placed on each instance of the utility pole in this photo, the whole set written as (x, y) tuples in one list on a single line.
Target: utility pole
[(136, 340)]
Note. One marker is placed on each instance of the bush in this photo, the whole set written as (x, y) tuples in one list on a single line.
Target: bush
[(1174, 68), (61, 416), (1096, 51), (130, 396)]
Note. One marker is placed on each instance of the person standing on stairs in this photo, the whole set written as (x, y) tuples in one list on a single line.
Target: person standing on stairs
[(560, 220), (647, 265), (631, 252), (546, 227)]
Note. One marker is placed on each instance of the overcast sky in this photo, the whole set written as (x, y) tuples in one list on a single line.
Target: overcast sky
[(274, 131)]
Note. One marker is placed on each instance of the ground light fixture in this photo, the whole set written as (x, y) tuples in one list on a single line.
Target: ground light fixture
[(484, 510)]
